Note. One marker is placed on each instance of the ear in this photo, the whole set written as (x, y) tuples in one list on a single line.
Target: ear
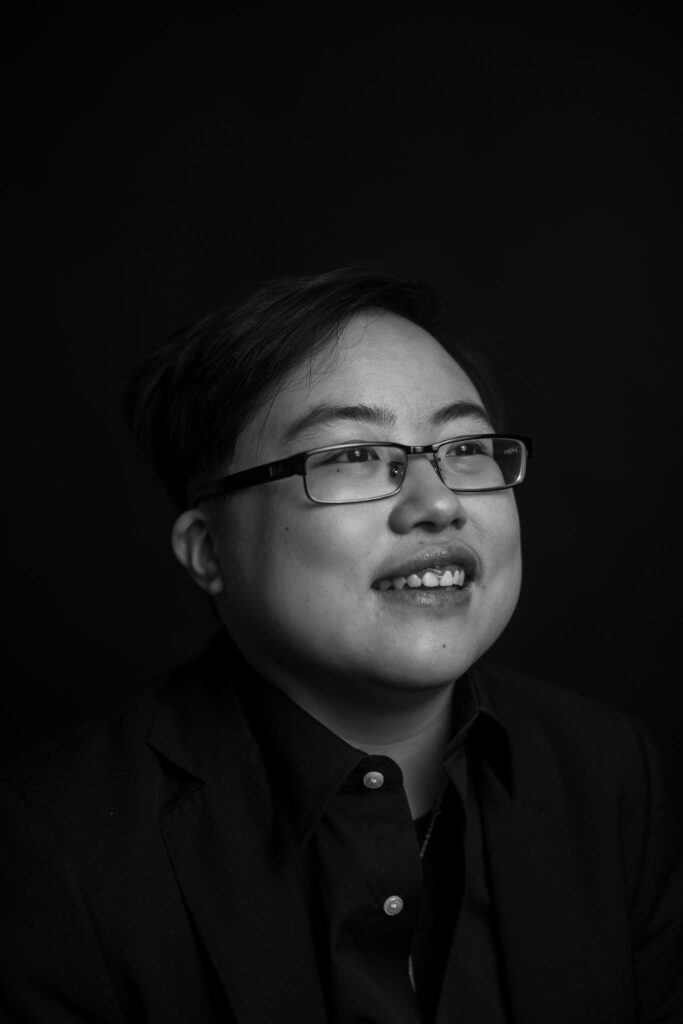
[(193, 547)]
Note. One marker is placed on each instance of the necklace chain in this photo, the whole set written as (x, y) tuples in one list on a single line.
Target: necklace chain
[(436, 811)]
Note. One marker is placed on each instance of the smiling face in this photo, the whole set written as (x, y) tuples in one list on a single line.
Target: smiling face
[(300, 580)]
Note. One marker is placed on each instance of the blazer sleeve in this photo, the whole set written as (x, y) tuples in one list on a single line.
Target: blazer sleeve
[(51, 969), (656, 875)]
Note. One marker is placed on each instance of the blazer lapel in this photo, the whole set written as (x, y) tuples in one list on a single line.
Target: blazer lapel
[(533, 893), (217, 826)]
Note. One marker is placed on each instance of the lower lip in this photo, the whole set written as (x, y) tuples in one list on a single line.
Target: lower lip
[(427, 597)]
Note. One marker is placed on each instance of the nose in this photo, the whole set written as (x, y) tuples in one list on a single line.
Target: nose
[(424, 500)]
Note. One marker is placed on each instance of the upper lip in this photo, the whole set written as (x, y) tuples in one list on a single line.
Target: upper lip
[(433, 558)]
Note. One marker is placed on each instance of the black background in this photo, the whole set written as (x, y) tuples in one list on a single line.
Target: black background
[(158, 166)]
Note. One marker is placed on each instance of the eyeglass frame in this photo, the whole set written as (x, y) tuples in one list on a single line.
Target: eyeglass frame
[(295, 465)]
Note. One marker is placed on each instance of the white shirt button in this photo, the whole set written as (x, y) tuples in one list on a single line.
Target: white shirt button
[(373, 780), (393, 906)]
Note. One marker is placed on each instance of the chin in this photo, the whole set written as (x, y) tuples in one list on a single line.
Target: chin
[(426, 669)]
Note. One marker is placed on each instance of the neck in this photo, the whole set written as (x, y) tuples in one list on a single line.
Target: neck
[(415, 739), (411, 727)]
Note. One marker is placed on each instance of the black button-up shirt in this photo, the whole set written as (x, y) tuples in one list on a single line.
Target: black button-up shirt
[(398, 936)]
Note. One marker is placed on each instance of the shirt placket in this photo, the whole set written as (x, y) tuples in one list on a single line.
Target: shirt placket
[(371, 879)]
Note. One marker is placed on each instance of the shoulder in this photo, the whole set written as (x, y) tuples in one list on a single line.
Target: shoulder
[(88, 774), (529, 699), (108, 764), (585, 737)]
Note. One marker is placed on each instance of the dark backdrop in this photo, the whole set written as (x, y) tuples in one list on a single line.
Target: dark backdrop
[(160, 166)]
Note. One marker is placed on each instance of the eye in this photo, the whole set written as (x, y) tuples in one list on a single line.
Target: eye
[(462, 449), (353, 455)]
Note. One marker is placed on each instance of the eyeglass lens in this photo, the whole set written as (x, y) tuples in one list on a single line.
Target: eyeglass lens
[(368, 471)]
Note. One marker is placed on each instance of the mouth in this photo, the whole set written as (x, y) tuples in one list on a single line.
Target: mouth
[(452, 569), (429, 579)]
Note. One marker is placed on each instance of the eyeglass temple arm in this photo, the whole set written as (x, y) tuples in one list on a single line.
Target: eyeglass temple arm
[(249, 478)]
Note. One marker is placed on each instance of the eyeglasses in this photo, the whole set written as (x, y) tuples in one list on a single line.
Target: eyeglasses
[(344, 474)]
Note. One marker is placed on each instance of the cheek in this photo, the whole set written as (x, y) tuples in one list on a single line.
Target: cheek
[(300, 553), (497, 523), (503, 549), (497, 536)]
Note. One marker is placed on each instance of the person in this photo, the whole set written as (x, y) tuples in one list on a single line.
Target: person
[(338, 811)]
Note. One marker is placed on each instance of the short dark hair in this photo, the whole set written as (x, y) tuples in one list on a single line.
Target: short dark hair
[(188, 401)]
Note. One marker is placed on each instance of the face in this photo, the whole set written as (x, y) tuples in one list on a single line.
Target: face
[(300, 594)]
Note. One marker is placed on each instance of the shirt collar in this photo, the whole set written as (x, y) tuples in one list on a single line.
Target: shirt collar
[(307, 763), (477, 728)]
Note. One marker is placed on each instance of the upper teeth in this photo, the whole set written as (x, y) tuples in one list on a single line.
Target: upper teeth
[(452, 575)]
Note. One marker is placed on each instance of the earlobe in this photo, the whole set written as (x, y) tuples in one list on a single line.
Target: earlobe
[(193, 547)]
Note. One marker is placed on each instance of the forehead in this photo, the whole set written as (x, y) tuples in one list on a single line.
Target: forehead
[(379, 359), (396, 349)]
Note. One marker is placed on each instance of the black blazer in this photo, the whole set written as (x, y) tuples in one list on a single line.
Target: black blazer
[(138, 882)]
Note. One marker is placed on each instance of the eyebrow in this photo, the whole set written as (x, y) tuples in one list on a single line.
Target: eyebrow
[(376, 416)]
